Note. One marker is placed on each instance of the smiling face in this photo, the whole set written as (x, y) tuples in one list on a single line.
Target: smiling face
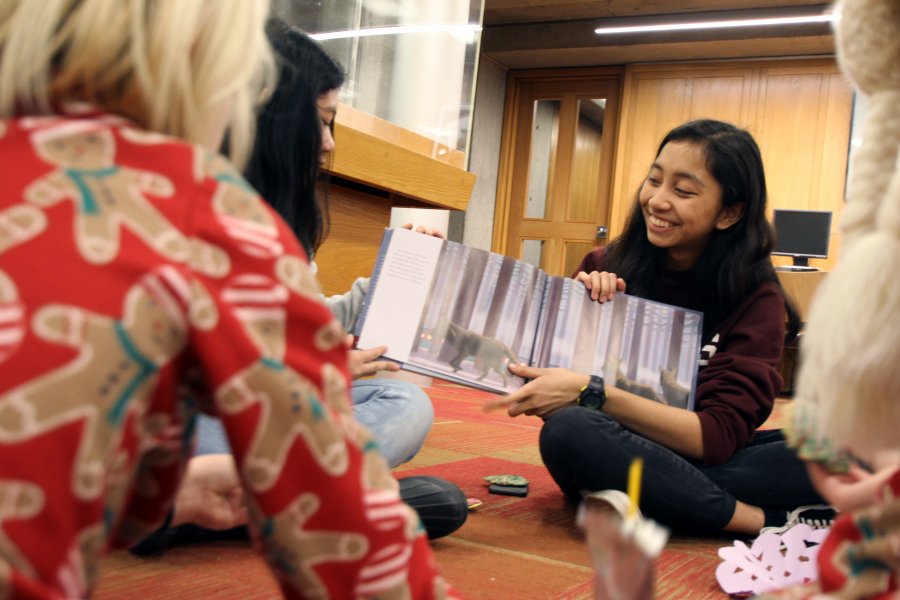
[(326, 106), (682, 204)]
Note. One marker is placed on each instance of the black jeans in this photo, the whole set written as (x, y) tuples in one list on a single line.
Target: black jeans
[(587, 450)]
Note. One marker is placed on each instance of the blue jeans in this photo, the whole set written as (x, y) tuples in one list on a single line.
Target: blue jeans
[(398, 413), (585, 449)]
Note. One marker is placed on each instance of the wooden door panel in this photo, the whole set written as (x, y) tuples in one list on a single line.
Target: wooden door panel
[(562, 163), (575, 169), (561, 242), (582, 205), (540, 229), (573, 253)]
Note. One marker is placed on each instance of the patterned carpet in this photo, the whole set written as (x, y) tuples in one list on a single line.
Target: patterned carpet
[(527, 547), (509, 547)]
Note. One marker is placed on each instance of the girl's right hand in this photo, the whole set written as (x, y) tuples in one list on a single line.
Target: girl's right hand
[(602, 285)]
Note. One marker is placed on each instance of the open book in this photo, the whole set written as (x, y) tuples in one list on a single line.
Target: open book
[(463, 314)]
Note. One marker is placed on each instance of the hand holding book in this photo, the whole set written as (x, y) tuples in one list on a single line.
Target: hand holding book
[(365, 362), (602, 285), (548, 391)]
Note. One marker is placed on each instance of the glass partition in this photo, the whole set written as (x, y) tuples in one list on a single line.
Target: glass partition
[(544, 139), (409, 62), (533, 252)]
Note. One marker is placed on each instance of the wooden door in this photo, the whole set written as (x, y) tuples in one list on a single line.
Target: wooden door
[(553, 199)]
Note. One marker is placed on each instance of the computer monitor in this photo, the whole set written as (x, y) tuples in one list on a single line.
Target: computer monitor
[(802, 234)]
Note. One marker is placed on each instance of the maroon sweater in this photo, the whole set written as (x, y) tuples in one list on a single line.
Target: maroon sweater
[(738, 380)]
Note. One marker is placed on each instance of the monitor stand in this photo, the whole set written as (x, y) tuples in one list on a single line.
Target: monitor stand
[(801, 263)]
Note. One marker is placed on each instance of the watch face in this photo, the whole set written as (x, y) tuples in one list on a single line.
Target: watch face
[(591, 400), (594, 394)]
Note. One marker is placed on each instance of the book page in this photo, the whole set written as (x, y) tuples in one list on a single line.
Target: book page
[(643, 347), (477, 313), (481, 316), (403, 281)]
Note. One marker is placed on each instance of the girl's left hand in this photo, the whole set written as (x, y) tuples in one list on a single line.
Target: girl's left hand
[(550, 390)]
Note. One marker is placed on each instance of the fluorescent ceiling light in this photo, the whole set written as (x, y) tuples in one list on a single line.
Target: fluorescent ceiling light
[(396, 30), (763, 22)]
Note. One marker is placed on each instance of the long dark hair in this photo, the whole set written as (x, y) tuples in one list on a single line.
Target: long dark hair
[(737, 260), (284, 165)]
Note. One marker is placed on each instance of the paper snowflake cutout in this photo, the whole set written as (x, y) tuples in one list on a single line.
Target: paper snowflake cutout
[(773, 561)]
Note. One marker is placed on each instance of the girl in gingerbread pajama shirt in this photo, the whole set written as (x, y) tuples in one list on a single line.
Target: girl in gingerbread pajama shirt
[(138, 270)]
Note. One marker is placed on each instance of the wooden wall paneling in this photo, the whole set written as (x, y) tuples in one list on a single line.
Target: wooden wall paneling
[(723, 96), (358, 220), (656, 104), (660, 97), (798, 111), (836, 146), (805, 114), (789, 137)]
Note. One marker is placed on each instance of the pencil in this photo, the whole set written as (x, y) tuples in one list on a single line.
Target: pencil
[(634, 485)]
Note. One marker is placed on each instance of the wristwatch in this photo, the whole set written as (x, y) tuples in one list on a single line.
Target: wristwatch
[(593, 395)]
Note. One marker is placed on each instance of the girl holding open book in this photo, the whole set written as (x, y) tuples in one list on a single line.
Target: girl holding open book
[(697, 238)]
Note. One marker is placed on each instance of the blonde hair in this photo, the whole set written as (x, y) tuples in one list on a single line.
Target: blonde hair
[(848, 388), (183, 68)]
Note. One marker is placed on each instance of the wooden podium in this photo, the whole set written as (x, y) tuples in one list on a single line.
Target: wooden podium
[(801, 287)]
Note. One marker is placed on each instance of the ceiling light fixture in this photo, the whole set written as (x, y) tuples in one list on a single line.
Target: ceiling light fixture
[(395, 30), (762, 22)]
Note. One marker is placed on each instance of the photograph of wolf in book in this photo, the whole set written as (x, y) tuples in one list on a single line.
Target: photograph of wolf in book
[(481, 314), (644, 347)]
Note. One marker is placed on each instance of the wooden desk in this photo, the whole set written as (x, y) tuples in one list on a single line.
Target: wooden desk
[(801, 286), (378, 165)]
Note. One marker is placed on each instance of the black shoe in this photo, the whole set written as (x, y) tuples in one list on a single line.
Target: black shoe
[(819, 516), (442, 508), (441, 505), (167, 536)]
